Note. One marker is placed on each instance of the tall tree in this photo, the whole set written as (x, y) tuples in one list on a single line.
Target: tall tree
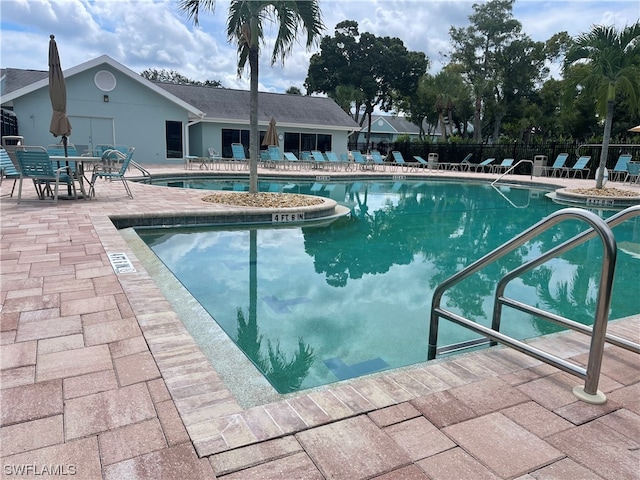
[(477, 47), (245, 27), (365, 70), (613, 58)]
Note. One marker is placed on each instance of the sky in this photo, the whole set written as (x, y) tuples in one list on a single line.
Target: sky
[(143, 34)]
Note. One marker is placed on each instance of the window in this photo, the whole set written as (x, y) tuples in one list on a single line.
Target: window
[(301, 142), (174, 139), (230, 136)]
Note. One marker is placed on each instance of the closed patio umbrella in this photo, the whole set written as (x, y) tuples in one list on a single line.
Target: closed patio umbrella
[(60, 125), (635, 129), (271, 136)]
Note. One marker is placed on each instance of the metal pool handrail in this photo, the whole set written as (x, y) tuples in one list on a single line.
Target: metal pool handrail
[(589, 393), (512, 168)]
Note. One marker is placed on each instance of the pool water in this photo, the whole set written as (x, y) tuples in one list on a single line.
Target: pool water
[(312, 305)]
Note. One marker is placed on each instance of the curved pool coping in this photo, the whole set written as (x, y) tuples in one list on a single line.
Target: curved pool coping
[(567, 196)]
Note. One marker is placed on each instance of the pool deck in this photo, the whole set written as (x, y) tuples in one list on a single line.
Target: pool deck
[(100, 379)]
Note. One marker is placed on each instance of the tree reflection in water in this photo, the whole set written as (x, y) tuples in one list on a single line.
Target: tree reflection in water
[(285, 374)]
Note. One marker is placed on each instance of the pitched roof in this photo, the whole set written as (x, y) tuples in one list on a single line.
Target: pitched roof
[(209, 103), (400, 125), (15, 78), (226, 105)]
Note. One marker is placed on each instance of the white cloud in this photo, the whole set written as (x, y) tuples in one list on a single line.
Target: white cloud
[(145, 34)]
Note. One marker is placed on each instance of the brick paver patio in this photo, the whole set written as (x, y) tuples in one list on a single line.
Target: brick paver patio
[(101, 380)]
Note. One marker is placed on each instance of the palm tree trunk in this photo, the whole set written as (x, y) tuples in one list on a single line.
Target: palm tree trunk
[(254, 136), (604, 153)]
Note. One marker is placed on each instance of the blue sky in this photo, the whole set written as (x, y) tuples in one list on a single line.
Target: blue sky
[(145, 34)]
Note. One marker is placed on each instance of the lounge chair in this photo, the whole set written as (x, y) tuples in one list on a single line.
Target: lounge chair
[(633, 173), (421, 161), (557, 167), (318, 159), (35, 163), (238, 157), (482, 165), (398, 161), (334, 161), (107, 172), (463, 166), (504, 167), (275, 156), (362, 162), (294, 162), (579, 167), (378, 161), (8, 170), (620, 169)]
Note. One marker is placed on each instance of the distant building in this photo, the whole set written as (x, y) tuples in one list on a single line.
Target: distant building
[(107, 103)]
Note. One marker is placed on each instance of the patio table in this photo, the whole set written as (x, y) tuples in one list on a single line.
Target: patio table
[(79, 163)]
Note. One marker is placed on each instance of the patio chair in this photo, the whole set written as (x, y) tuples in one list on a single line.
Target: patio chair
[(318, 159), (464, 164), (238, 156), (378, 161), (557, 167), (421, 161), (215, 159), (8, 170), (106, 171), (504, 167), (334, 161), (57, 150), (482, 165), (34, 163), (579, 167), (362, 162), (633, 173), (398, 161), (294, 162), (620, 169)]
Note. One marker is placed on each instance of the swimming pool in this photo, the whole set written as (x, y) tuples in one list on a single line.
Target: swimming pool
[(313, 305)]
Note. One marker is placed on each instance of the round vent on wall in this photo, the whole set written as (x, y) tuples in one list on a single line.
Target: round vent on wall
[(105, 80), (381, 122)]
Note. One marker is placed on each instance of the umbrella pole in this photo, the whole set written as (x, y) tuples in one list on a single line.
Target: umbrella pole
[(66, 154)]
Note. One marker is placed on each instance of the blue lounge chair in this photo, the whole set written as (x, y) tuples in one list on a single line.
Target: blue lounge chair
[(464, 164), (35, 163), (334, 161), (318, 159), (292, 161), (579, 167), (398, 161), (620, 169), (238, 156), (506, 164), (8, 170), (106, 171), (362, 162), (557, 167), (633, 173), (482, 165), (421, 161), (275, 156), (378, 161)]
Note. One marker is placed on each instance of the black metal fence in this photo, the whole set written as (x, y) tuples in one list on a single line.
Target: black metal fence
[(456, 152)]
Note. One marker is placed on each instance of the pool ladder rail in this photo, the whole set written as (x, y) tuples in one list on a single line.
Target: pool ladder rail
[(588, 393)]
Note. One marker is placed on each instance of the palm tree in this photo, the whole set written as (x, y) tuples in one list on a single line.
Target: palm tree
[(245, 27), (613, 58)]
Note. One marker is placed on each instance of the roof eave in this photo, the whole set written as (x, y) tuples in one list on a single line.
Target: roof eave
[(118, 66)]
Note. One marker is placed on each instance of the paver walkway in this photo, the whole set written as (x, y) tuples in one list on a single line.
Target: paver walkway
[(100, 380)]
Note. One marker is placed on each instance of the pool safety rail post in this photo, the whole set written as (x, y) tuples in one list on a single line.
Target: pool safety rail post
[(589, 392)]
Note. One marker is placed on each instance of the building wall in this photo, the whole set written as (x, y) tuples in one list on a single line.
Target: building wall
[(134, 115), (208, 134)]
